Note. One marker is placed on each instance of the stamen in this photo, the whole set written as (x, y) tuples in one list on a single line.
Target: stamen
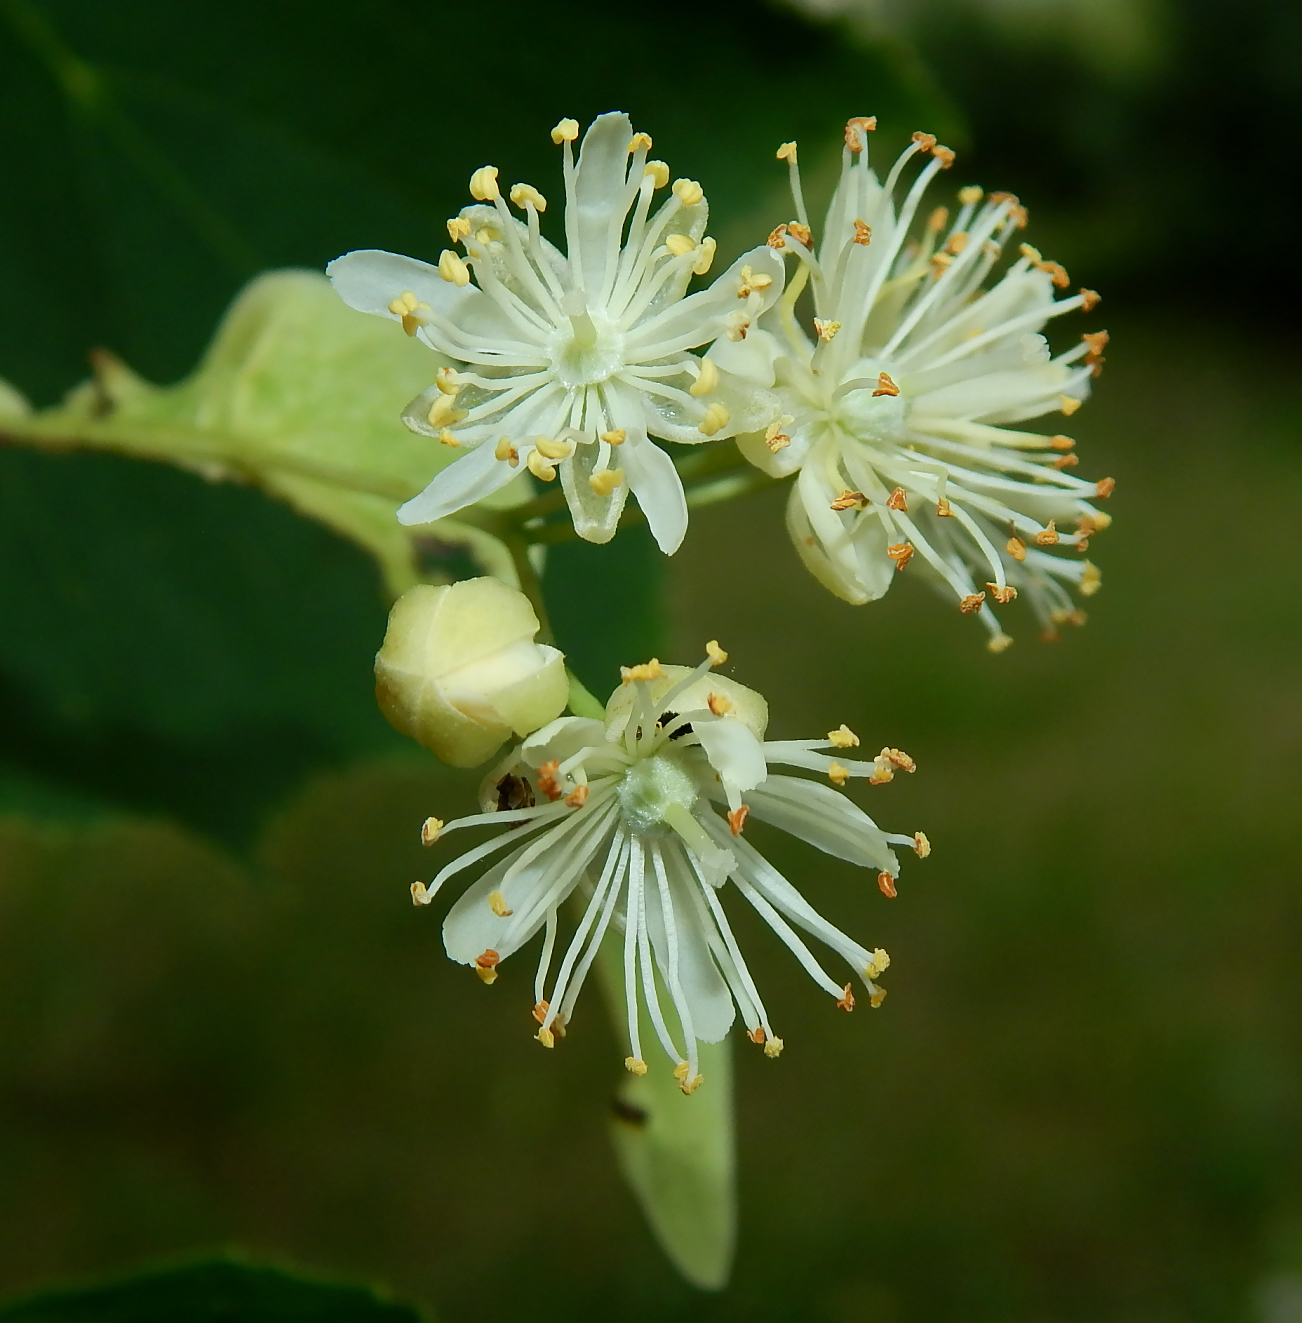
[(837, 774), (850, 500), (898, 501), (547, 779), (775, 438), (658, 172), (863, 233), (972, 602), (778, 238), (506, 451), (1016, 548), (430, 829), (715, 653), (1000, 642), (719, 704), (886, 885), (567, 130), (604, 481), (707, 378), (856, 128), (524, 194), (1068, 404), (651, 670), (419, 894), (715, 420), (1048, 537), (846, 1001), (1104, 488), (539, 467), (944, 509), (901, 553), (640, 142), (773, 1048), (800, 231), (635, 1065), (688, 192), (453, 269), (885, 386), (616, 437), (706, 258), (970, 195), (1002, 595), (843, 738), (486, 966), (458, 229), (483, 183), (577, 797), (878, 965), (737, 819), (497, 903), (921, 845)]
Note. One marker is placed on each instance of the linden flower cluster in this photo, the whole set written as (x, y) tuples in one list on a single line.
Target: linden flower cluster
[(901, 404), (567, 363), (640, 816)]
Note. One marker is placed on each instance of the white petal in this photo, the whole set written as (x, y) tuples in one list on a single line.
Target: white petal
[(595, 517), (562, 739), (370, 279), (734, 752), (462, 483), (824, 818), (601, 193), (659, 491)]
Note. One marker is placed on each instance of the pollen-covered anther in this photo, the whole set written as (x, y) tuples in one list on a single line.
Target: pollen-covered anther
[(749, 281), (885, 386), (756, 1035), (801, 233), (886, 885), (453, 269), (448, 380), (837, 774), (939, 261), (640, 142), (956, 243), (883, 770), (719, 704), (497, 903), (778, 239), (420, 894), (430, 829), (447, 439), (850, 500), (863, 233), (878, 965), (524, 194), (577, 797), (537, 464), (737, 819), (825, 328), (846, 1001), (972, 602), (1016, 548), (715, 420), (898, 500), (483, 184), (943, 508), (689, 1087), (1047, 536), (859, 124), (541, 1009), (617, 437), (1002, 595), (458, 229), (876, 998), (705, 257), (1090, 580), (921, 845), (775, 438), (787, 152), (688, 192), (970, 195), (679, 245), (936, 221), (1000, 643), (504, 450), (715, 653), (408, 309), (899, 758), (1089, 299), (567, 130), (1065, 462), (486, 966), (550, 449), (1104, 488), (1061, 442), (945, 155), (901, 553), (843, 738), (546, 1037), (658, 171), (651, 670), (604, 481), (635, 1065), (707, 378), (925, 141), (547, 780)]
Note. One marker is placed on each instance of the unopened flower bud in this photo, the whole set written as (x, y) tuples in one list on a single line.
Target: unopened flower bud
[(460, 670)]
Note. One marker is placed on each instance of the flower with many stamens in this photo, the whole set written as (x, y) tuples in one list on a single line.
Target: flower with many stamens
[(902, 410), (566, 363), (641, 816)]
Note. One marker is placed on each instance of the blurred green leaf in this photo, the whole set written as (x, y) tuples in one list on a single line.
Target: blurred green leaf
[(214, 1291)]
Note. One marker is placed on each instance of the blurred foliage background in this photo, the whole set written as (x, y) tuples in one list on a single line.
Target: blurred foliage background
[(223, 1023)]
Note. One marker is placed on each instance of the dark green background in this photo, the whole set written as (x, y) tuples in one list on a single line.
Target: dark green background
[(221, 1022)]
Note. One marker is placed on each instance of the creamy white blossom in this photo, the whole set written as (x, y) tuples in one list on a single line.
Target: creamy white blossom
[(641, 816), (901, 404), (565, 363)]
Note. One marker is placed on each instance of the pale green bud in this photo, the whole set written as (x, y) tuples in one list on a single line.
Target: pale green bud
[(460, 671)]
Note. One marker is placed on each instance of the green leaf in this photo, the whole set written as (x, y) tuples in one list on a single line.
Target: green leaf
[(225, 1290)]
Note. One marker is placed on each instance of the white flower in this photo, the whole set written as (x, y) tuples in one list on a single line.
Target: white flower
[(900, 411), (642, 815), (567, 362)]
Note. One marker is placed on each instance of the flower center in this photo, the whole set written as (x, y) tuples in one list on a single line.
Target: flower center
[(653, 788), (866, 412), (588, 348)]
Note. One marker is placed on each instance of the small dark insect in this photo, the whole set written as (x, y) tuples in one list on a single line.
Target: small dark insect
[(629, 1113), (514, 792), (667, 718)]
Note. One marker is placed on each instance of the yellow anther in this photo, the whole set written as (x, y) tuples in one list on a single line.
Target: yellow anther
[(604, 481), (736, 325), (773, 1048), (640, 142), (546, 1037), (800, 232), (925, 141), (970, 195), (1030, 253), (453, 269), (863, 233), (444, 412), (778, 239), (577, 797), (539, 467), (1016, 548), (688, 192), (483, 184), (883, 772), (430, 829), (943, 508), (715, 653), (878, 965), (715, 420), (749, 281), (945, 155), (1047, 536), (1068, 404), (843, 738), (565, 131), (972, 602), (1002, 595), (458, 229), (705, 260), (497, 903), (898, 500), (487, 234), (506, 451), (719, 704), (850, 500), (1000, 642), (854, 127), (651, 670), (689, 1087), (1090, 580), (707, 379), (448, 380), (1103, 489), (899, 758), (680, 244), (419, 895), (406, 307), (901, 553), (787, 152), (837, 774), (635, 1065), (615, 437), (658, 171), (921, 845), (956, 242), (523, 194), (826, 328), (553, 449), (1089, 298), (885, 386), (875, 999), (447, 439), (936, 221), (486, 966)]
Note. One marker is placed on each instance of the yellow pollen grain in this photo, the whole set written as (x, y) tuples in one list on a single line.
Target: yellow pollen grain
[(640, 142), (688, 192), (826, 328), (616, 437), (566, 130), (635, 1065), (787, 152), (719, 704), (659, 173), (453, 269), (483, 184), (921, 845), (680, 245), (706, 258), (837, 774), (458, 229), (715, 653), (419, 895), (504, 450), (970, 195), (707, 379), (554, 449), (537, 464), (715, 420), (773, 1048), (430, 829), (497, 903), (651, 670), (843, 738), (523, 194), (604, 481)]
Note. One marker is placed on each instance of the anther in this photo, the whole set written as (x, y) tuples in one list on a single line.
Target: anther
[(658, 171), (945, 155), (565, 131), (497, 903), (901, 553), (547, 779), (1002, 595), (853, 128), (778, 239), (458, 229), (775, 438), (537, 464), (706, 258), (1016, 548), (875, 999), (554, 449), (737, 819), (506, 451), (577, 797), (837, 774), (604, 481), (1065, 462), (956, 243), (787, 152), (640, 142), (707, 378), (883, 773), (826, 328), (878, 965), (970, 195), (651, 670), (925, 141), (849, 500), (444, 411), (899, 758), (843, 738), (406, 307), (430, 829), (886, 885), (756, 1035), (749, 281), (1097, 341), (523, 194), (680, 245), (863, 233), (719, 704), (773, 1048), (541, 1009), (972, 602), (419, 895), (846, 1001), (1090, 580), (921, 845), (715, 653), (689, 1087), (1000, 642), (483, 184), (936, 221), (1089, 299), (802, 233), (1047, 536), (688, 192), (885, 386), (898, 501), (1061, 442), (546, 1037), (943, 508), (635, 1065), (453, 269), (715, 420), (1104, 488), (486, 966)]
